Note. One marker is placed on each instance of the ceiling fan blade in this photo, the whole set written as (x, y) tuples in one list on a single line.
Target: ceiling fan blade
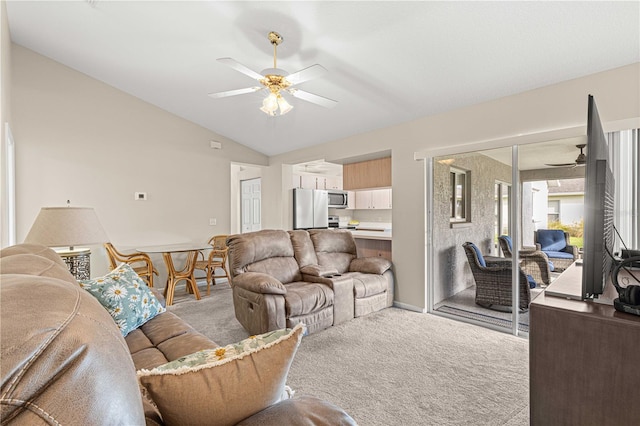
[(561, 165), (235, 92), (306, 74), (310, 97), (239, 67)]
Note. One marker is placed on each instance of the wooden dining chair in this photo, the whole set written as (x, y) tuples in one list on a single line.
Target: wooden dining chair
[(217, 258), (140, 262)]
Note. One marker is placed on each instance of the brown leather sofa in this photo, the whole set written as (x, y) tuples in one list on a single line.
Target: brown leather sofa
[(64, 360), (281, 278)]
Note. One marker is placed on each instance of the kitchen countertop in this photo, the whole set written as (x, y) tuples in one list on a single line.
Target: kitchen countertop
[(372, 235), (372, 231)]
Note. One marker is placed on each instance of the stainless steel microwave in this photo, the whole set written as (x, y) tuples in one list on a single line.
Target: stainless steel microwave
[(338, 199)]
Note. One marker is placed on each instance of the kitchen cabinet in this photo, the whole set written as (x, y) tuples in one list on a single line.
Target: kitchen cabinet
[(332, 182), (317, 182), (296, 181), (351, 200), (309, 182), (367, 174), (374, 199)]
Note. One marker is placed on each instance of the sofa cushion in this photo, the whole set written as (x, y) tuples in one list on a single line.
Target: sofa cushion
[(223, 392), (284, 269), (303, 410), (303, 249), (268, 251), (163, 339), (37, 265), (551, 239), (125, 296), (63, 360), (35, 249), (367, 285), (304, 298), (334, 248), (370, 265), (559, 254)]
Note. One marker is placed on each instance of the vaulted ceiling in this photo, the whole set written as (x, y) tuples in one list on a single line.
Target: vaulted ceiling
[(388, 62)]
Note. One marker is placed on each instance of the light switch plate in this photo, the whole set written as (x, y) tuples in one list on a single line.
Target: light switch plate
[(140, 196), (212, 221)]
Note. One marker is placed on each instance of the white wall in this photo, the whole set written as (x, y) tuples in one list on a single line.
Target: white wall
[(571, 208), (491, 124), (84, 141)]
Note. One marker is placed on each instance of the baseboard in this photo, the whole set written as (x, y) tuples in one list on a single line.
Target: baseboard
[(408, 307)]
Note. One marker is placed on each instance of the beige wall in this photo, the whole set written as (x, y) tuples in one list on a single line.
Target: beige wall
[(5, 116), (536, 114), (79, 139), (67, 126)]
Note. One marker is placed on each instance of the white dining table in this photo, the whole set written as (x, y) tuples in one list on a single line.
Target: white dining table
[(174, 276)]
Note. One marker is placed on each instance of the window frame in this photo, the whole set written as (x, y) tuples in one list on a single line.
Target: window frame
[(464, 194)]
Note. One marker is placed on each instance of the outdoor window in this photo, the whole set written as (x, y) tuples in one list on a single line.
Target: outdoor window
[(553, 213), (460, 188)]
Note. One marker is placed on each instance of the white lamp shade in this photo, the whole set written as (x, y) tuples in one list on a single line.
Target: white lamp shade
[(66, 227)]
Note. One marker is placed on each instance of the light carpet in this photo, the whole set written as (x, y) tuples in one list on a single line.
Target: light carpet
[(395, 367)]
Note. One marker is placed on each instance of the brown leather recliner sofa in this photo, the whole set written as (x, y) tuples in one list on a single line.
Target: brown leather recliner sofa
[(64, 360), (281, 278)]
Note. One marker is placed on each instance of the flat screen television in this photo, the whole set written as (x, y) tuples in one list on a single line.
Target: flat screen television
[(598, 233)]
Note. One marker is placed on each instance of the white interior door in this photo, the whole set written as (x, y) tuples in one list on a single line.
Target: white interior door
[(251, 205)]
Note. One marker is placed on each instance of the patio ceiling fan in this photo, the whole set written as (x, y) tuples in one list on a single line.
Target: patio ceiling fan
[(275, 81), (580, 161)]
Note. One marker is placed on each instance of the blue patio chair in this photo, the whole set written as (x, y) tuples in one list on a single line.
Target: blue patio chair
[(493, 281), (555, 244), (533, 262)]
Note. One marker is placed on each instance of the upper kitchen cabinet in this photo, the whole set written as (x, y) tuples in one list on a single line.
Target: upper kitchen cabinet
[(333, 182), (374, 199), (308, 181), (367, 174)]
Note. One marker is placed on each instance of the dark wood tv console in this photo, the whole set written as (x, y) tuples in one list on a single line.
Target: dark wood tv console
[(583, 363)]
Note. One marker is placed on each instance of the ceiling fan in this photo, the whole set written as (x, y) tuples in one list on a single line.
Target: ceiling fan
[(275, 81), (580, 161)]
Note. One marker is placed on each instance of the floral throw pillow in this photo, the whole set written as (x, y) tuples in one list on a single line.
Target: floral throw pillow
[(214, 357), (125, 296), (240, 380)]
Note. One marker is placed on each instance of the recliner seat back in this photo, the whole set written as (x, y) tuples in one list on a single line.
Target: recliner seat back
[(267, 251), (335, 248)]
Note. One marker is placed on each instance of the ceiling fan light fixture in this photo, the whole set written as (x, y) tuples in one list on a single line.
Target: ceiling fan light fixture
[(285, 107), (270, 103)]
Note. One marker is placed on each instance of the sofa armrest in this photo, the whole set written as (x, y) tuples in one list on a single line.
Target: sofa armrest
[(318, 271), (343, 296), (258, 282), (370, 265), (573, 250)]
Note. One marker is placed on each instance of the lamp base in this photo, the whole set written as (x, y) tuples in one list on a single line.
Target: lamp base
[(78, 261)]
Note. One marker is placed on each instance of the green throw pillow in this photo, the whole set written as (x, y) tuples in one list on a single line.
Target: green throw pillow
[(125, 296)]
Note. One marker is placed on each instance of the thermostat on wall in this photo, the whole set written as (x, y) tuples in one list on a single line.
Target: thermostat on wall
[(140, 196)]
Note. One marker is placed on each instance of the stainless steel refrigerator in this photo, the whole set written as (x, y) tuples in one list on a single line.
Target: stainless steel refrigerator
[(310, 208)]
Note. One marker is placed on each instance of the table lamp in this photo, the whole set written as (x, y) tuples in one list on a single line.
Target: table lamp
[(68, 227)]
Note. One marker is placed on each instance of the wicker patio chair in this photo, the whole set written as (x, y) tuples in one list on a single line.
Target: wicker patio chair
[(493, 281), (533, 262), (217, 258), (140, 262), (555, 244)]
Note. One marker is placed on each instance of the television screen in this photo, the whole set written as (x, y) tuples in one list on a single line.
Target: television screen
[(598, 234)]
